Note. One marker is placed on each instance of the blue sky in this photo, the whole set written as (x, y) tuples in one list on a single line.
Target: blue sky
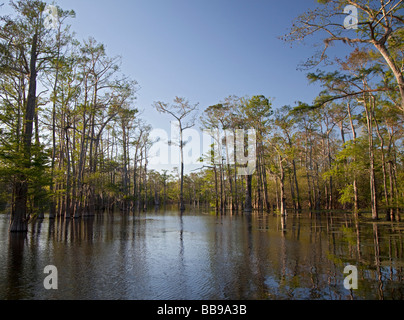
[(204, 50)]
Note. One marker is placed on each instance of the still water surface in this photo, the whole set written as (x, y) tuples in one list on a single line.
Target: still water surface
[(200, 256)]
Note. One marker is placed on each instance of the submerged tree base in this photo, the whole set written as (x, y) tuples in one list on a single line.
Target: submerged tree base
[(18, 226)]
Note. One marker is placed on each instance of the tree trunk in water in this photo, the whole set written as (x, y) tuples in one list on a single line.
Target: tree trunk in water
[(259, 200), (266, 196), (386, 192), (292, 192), (125, 178), (145, 181), (135, 195), (248, 199), (282, 179), (299, 206), (277, 193), (216, 189), (331, 198), (355, 184), (182, 205), (229, 174), (309, 190), (235, 172), (19, 219), (68, 178), (165, 194), (392, 216), (375, 213), (222, 193), (52, 211)]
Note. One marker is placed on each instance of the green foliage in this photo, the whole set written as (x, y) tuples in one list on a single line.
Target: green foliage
[(14, 165), (347, 195), (400, 198), (256, 112)]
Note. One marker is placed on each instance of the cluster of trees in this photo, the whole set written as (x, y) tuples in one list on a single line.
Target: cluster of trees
[(344, 150), (369, 80), (67, 122), (310, 157), (72, 141)]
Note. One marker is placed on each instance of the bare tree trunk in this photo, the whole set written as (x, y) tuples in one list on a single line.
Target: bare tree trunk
[(373, 195), (266, 196), (235, 172), (165, 193), (259, 178), (135, 174), (308, 175), (386, 192), (394, 165), (393, 193), (282, 180), (355, 184), (141, 182), (248, 200), (125, 168), (277, 194), (299, 205), (331, 197), (182, 204), (19, 220), (392, 216), (216, 188), (52, 211), (222, 193), (229, 175), (145, 204), (74, 173), (68, 178), (79, 197)]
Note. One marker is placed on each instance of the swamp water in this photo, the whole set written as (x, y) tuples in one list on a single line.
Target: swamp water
[(201, 256)]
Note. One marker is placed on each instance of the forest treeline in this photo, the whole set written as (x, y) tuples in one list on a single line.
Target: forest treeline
[(73, 142)]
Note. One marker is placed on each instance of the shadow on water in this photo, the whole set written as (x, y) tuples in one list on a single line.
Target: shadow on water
[(199, 255)]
